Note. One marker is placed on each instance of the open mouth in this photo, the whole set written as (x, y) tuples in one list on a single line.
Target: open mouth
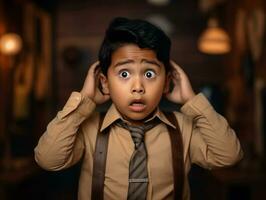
[(137, 105)]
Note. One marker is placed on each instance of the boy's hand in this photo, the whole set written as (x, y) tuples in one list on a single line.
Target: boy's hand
[(182, 90), (91, 85)]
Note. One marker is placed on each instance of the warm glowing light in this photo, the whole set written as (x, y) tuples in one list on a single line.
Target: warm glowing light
[(214, 40), (159, 2), (10, 44)]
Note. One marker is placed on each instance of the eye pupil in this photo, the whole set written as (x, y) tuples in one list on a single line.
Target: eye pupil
[(149, 74), (124, 74)]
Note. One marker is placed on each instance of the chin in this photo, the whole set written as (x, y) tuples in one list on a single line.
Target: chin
[(137, 116)]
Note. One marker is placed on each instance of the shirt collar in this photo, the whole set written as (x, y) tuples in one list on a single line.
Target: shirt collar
[(112, 115)]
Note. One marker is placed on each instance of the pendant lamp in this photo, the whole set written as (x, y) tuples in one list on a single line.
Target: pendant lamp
[(214, 40)]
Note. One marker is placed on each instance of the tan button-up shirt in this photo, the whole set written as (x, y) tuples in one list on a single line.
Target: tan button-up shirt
[(208, 141)]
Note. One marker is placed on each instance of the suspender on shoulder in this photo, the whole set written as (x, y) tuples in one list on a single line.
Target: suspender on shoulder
[(99, 161), (177, 155), (100, 155)]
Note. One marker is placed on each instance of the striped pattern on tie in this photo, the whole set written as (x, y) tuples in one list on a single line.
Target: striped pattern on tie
[(138, 173)]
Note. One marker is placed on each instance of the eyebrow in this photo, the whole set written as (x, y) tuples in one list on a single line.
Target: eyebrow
[(123, 62), (132, 61), (153, 62)]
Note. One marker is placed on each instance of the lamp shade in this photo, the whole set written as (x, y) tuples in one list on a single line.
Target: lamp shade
[(10, 44), (159, 2), (214, 40)]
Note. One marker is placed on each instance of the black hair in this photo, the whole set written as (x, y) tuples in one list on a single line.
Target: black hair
[(123, 31)]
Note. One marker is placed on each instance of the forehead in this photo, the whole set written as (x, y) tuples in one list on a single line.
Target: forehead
[(132, 51)]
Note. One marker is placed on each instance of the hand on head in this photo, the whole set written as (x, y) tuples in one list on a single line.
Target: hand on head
[(91, 87), (182, 90)]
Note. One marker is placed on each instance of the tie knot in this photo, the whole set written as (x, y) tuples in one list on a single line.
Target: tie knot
[(137, 132)]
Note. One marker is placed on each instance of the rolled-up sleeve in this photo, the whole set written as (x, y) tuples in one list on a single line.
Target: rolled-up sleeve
[(62, 144), (213, 142)]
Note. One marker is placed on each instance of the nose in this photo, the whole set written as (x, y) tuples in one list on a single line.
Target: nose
[(138, 86)]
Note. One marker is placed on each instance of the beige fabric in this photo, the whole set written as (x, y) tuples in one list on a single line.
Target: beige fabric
[(208, 142)]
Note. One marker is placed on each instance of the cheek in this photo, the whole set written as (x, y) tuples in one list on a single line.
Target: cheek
[(157, 86), (156, 94), (155, 91), (117, 90)]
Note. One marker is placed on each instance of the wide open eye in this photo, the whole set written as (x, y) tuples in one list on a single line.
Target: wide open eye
[(150, 74), (124, 74)]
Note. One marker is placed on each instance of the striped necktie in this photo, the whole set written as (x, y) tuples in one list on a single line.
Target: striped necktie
[(138, 173)]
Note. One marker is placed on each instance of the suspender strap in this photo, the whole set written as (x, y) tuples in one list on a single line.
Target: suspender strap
[(177, 156), (99, 162)]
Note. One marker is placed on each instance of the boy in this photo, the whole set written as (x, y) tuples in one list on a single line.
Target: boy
[(134, 71)]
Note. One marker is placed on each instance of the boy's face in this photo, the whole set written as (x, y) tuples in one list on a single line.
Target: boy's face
[(136, 81)]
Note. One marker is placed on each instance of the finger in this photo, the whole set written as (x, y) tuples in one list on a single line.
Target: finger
[(175, 70), (175, 76), (176, 67), (93, 67)]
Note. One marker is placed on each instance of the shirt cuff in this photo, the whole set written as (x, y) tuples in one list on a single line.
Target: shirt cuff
[(196, 105), (79, 104)]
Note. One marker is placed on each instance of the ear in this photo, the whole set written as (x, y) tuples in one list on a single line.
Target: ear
[(104, 84), (167, 83)]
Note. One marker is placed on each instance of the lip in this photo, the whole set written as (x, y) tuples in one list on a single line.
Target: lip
[(137, 105)]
